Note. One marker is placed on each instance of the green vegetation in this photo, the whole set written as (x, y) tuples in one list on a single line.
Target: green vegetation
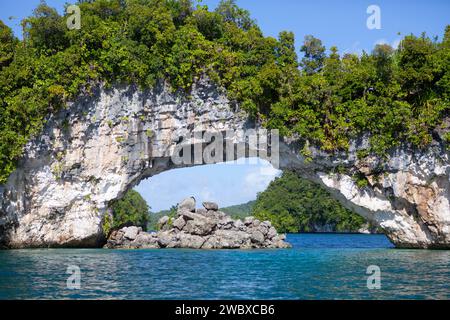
[(155, 216), (394, 95), (239, 211), (131, 210), (294, 205)]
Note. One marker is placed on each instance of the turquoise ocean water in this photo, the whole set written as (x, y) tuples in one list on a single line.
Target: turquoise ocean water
[(320, 266)]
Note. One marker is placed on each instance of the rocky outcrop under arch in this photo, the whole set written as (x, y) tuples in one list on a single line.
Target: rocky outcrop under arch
[(206, 228), (102, 145)]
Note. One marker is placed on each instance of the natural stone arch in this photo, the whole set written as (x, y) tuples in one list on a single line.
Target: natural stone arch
[(100, 146)]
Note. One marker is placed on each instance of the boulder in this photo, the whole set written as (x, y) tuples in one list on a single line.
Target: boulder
[(239, 225), (191, 241), (202, 211), (146, 241), (131, 232), (257, 237), (271, 233), (187, 204), (179, 223), (248, 220), (188, 215), (264, 227), (216, 214), (226, 223), (256, 223), (211, 206), (116, 235), (205, 228), (200, 227), (166, 239), (228, 239), (163, 222)]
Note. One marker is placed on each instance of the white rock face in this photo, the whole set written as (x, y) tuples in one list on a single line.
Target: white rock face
[(410, 200), (101, 146)]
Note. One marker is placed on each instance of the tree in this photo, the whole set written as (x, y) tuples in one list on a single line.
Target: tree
[(416, 67), (446, 40), (293, 204), (181, 10), (383, 55), (393, 98), (210, 24), (314, 55), (154, 217), (286, 50), (443, 69), (132, 209), (45, 29), (233, 14), (7, 45)]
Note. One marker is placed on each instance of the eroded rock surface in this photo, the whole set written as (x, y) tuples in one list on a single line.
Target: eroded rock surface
[(201, 229), (102, 145)]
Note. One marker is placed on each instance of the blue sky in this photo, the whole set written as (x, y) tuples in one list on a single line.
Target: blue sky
[(226, 184), (341, 23), (336, 23)]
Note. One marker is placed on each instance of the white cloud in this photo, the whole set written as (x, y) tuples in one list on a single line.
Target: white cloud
[(259, 178)]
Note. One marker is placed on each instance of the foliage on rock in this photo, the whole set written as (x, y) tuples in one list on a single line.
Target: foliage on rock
[(394, 95), (293, 204), (131, 210)]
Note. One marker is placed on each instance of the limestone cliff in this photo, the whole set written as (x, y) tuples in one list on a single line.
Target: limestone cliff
[(101, 145), (407, 194)]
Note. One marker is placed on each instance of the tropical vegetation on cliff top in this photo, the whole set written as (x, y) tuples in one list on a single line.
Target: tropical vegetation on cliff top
[(394, 95)]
